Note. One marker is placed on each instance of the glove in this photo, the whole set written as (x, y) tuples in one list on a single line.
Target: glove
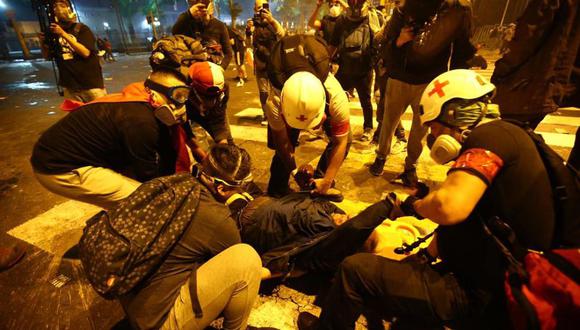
[(304, 177), (409, 209)]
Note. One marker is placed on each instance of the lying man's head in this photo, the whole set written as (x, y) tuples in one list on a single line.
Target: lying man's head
[(225, 171)]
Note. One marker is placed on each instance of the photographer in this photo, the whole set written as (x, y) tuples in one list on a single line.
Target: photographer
[(75, 53), (198, 23), (266, 31)]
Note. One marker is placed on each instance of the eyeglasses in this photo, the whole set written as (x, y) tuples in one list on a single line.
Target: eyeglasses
[(197, 171), (178, 94)]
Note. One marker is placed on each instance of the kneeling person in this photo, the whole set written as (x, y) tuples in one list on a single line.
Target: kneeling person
[(102, 151)]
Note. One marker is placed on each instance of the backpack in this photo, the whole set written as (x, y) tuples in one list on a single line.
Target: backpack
[(542, 289), (177, 53), (355, 47), (298, 53), (122, 246), (565, 189)]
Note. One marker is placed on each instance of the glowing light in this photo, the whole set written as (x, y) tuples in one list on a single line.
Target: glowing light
[(3, 5), (106, 25)]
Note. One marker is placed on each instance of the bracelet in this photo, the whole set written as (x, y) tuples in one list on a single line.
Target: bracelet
[(409, 209)]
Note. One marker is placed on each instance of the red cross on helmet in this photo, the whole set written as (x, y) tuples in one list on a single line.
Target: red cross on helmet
[(454, 84), (303, 100)]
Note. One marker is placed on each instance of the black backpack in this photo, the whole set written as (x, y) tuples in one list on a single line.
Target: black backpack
[(565, 189), (298, 53), (177, 53), (121, 247), (355, 47)]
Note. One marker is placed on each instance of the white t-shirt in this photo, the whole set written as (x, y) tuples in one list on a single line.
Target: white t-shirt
[(339, 108)]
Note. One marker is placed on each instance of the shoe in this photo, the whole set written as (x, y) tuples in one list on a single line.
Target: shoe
[(398, 147), (240, 82), (307, 321), (409, 178), (377, 167), (10, 256), (367, 135)]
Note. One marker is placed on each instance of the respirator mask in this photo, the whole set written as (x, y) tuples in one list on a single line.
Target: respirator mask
[(458, 113), (335, 10), (175, 112)]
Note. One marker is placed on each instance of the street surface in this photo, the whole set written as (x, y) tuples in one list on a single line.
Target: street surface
[(51, 225)]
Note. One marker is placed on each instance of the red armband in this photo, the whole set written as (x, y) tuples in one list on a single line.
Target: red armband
[(484, 162)]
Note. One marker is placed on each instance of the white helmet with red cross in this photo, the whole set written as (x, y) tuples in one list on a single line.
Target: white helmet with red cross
[(455, 84), (303, 100)]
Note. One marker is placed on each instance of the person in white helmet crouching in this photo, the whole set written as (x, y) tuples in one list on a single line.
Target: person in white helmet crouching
[(306, 103)]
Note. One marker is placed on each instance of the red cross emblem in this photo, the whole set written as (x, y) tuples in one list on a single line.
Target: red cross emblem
[(302, 118), (439, 88)]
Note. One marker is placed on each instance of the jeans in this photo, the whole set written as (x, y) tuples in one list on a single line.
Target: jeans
[(417, 294), (399, 96), (84, 95), (363, 85), (226, 284), (99, 186), (280, 174)]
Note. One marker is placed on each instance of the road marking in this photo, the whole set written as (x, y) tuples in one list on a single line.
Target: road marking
[(48, 229)]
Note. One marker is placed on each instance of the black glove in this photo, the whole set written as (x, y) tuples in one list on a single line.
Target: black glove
[(408, 208)]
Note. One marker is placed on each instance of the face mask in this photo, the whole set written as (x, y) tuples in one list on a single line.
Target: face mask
[(335, 10), (169, 116), (444, 148)]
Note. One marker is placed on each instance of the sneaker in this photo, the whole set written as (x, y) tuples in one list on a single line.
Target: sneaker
[(398, 147), (240, 82), (377, 168), (409, 178), (307, 321), (367, 135)]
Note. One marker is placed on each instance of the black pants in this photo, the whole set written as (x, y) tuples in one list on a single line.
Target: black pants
[(280, 174), (362, 83), (381, 81), (417, 294), (344, 240)]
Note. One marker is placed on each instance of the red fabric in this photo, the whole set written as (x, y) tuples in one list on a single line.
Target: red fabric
[(483, 161), (554, 296), (183, 162), (134, 92)]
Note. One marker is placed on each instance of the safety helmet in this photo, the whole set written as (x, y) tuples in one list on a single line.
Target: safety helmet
[(458, 84), (207, 78), (303, 100)]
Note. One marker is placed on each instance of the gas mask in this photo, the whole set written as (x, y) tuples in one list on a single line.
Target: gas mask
[(357, 10), (444, 148), (335, 10), (169, 116)]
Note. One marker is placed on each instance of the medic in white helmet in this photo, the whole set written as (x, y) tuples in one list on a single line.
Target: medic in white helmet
[(305, 103)]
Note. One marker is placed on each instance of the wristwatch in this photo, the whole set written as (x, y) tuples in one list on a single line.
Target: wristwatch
[(409, 209)]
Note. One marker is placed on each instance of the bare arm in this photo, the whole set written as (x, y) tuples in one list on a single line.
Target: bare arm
[(454, 201), (313, 22), (76, 46), (336, 159)]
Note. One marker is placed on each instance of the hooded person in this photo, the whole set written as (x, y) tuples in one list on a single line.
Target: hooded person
[(102, 151), (497, 173)]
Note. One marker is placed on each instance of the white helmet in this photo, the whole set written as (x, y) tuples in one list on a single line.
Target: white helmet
[(455, 84), (303, 100)]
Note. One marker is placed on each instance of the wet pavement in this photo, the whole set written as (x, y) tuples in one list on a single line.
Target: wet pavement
[(34, 296)]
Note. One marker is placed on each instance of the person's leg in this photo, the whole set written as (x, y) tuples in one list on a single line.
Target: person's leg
[(363, 87), (89, 95), (94, 185), (411, 291), (418, 131), (227, 284), (263, 88), (397, 100), (344, 240), (382, 81)]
